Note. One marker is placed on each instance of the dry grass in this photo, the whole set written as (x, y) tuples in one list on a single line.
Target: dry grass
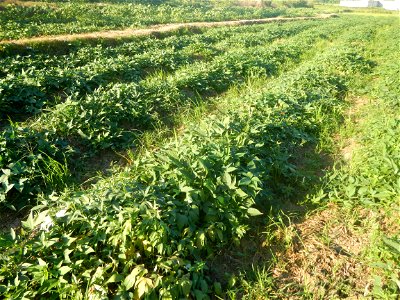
[(251, 251), (25, 3), (324, 259), (327, 257), (318, 257), (353, 115), (254, 3), (348, 150)]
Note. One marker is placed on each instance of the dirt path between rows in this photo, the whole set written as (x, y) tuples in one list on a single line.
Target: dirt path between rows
[(115, 34)]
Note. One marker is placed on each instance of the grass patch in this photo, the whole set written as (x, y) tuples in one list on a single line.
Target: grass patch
[(349, 247)]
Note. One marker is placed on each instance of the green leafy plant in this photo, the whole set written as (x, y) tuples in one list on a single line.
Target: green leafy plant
[(147, 231)]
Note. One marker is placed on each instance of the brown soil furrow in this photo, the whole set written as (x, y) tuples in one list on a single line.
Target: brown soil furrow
[(115, 34)]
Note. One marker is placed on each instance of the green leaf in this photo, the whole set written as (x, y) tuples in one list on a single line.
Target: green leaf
[(115, 278), (218, 288), (89, 250), (9, 187), (181, 220), (7, 172), (41, 217), (392, 244), (13, 235), (64, 270), (201, 240), (16, 281), (245, 181), (204, 286), (143, 286), (186, 189), (29, 224), (3, 289), (350, 190), (240, 193), (67, 252), (230, 169), (82, 134), (130, 280), (232, 281), (42, 262), (186, 285), (254, 212), (227, 179), (199, 295)]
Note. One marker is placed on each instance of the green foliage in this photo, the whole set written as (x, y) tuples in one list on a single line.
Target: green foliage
[(56, 18), (30, 162), (114, 114), (147, 231), (296, 3), (371, 180), (35, 80)]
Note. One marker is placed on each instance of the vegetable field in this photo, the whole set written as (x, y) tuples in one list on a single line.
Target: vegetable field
[(204, 126), (56, 17)]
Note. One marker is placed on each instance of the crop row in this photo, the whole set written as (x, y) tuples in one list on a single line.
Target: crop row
[(31, 82), (111, 116), (148, 230), (374, 174), (371, 181), (100, 116), (26, 21)]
